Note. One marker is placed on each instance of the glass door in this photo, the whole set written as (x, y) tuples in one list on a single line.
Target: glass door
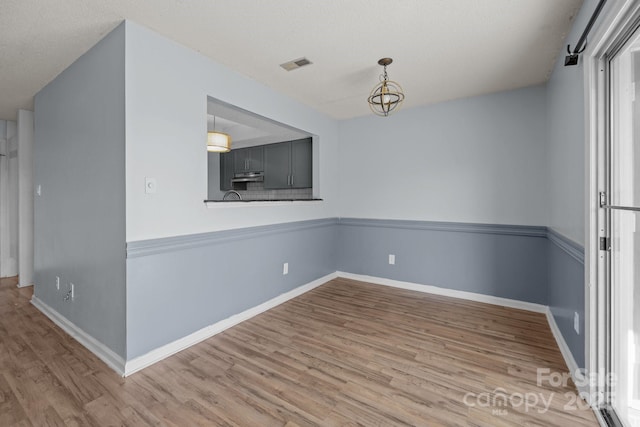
[(621, 207)]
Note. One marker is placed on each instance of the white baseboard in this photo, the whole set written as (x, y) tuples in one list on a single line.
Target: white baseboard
[(140, 362), (505, 302), (574, 369), (104, 353), (582, 384)]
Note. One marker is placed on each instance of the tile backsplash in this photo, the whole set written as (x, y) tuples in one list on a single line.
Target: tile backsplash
[(256, 191)]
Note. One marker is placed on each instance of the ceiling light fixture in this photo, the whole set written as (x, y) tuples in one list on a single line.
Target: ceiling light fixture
[(218, 142), (387, 95)]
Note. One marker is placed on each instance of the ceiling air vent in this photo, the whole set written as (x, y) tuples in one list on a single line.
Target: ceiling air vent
[(295, 64)]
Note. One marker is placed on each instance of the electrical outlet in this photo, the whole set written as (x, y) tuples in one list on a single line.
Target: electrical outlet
[(285, 268), (150, 185), (392, 259), (72, 291), (576, 322), (58, 282)]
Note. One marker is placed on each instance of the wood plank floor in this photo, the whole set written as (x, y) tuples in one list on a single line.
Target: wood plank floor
[(346, 353)]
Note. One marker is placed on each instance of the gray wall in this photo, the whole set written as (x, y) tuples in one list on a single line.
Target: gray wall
[(566, 290), (497, 260), (179, 285), (80, 217)]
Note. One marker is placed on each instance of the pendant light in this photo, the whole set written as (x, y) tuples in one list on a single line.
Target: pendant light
[(218, 142), (387, 95)]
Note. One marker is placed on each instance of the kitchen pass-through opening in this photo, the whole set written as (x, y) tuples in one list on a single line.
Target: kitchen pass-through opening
[(268, 160)]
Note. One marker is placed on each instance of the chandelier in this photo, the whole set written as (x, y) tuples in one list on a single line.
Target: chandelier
[(387, 95)]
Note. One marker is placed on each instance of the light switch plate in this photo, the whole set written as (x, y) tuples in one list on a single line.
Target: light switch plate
[(392, 259), (150, 185), (576, 322)]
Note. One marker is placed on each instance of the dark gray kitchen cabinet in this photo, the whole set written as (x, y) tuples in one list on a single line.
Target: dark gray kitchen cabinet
[(226, 170), (288, 165), (276, 165), (301, 164), (249, 159)]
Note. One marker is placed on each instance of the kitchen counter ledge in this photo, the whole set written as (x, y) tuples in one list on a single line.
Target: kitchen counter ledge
[(260, 203)]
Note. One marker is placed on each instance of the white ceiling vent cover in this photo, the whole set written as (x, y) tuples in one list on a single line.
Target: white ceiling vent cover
[(295, 64)]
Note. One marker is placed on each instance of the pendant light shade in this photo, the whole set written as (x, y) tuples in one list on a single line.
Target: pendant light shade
[(218, 142), (386, 96)]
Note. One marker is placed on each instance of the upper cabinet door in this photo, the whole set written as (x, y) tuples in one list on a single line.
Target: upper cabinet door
[(226, 170), (256, 159), (301, 164), (240, 159), (276, 166), (248, 159), (288, 165)]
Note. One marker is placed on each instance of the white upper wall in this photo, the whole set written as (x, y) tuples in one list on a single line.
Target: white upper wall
[(166, 108), (566, 138), (478, 160)]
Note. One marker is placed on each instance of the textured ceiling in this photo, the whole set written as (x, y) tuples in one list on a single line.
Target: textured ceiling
[(442, 49)]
